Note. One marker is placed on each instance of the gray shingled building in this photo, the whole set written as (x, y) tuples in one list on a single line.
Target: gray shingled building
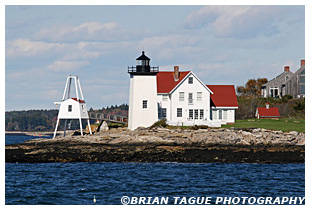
[(287, 83), (295, 86)]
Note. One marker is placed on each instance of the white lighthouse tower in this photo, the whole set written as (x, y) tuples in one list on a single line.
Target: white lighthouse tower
[(72, 108), (143, 107)]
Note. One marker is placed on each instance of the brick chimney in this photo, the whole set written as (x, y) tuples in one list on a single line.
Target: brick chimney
[(267, 105), (286, 68), (302, 62), (176, 73)]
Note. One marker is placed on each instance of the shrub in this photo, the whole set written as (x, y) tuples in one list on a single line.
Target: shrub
[(287, 97), (196, 127), (161, 123)]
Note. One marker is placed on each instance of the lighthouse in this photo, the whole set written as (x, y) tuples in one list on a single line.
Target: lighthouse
[(72, 108), (143, 106)]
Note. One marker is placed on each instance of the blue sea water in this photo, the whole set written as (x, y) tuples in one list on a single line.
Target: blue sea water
[(12, 139), (78, 183)]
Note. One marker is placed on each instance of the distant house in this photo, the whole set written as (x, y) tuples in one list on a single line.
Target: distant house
[(295, 86), (287, 83), (276, 87), (267, 112)]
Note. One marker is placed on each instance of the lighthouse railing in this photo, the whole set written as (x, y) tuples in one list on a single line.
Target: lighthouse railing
[(133, 69)]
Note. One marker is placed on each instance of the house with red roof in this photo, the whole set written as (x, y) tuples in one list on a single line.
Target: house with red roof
[(223, 103), (267, 112), (181, 98)]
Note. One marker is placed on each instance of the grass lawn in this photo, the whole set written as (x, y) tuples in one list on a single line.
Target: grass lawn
[(284, 125)]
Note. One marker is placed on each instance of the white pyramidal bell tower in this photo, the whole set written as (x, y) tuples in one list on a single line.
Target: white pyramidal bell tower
[(143, 106), (72, 108)]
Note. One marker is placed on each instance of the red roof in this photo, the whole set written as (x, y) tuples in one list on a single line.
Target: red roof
[(80, 101), (166, 82), (224, 96), (271, 112)]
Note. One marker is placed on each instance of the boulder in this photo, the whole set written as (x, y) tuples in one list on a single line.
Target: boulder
[(104, 126)]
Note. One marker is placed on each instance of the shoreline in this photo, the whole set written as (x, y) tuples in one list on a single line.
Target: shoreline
[(164, 145)]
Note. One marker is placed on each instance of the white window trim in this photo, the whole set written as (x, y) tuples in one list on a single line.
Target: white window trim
[(146, 104), (190, 103), (178, 112), (199, 98), (183, 98)]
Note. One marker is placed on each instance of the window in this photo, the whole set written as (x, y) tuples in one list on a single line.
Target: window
[(69, 108), (181, 96), (274, 92), (302, 79), (225, 114), (190, 80), (196, 114), (302, 89), (220, 115), (286, 77), (145, 104), (179, 112), (159, 113), (164, 98), (190, 98), (191, 114), (163, 112), (201, 113), (214, 114), (199, 96)]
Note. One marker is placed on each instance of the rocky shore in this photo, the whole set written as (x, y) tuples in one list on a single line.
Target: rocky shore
[(165, 145)]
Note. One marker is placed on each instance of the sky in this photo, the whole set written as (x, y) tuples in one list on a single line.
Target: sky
[(220, 44)]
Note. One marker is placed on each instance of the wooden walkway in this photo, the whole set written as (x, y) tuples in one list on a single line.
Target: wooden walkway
[(109, 118)]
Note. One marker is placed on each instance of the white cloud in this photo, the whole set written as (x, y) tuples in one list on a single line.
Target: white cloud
[(25, 47), (65, 66), (90, 31), (235, 21)]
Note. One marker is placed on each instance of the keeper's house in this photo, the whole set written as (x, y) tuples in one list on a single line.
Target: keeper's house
[(178, 96)]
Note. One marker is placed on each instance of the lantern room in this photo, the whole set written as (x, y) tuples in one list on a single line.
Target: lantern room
[(143, 66)]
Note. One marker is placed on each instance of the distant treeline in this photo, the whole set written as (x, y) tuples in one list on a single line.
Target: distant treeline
[(45, 120), (31, 120), (117, 109)]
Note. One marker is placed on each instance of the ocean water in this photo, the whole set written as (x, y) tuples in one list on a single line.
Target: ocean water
[(12, 139), (78, 183)]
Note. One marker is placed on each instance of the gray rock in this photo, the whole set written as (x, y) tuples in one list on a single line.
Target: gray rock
[(256, 130), (294, 133), (104, 126), (301, 142)]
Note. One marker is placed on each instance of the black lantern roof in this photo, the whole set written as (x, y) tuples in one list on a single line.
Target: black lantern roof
[(143, 67), (143, 57)]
